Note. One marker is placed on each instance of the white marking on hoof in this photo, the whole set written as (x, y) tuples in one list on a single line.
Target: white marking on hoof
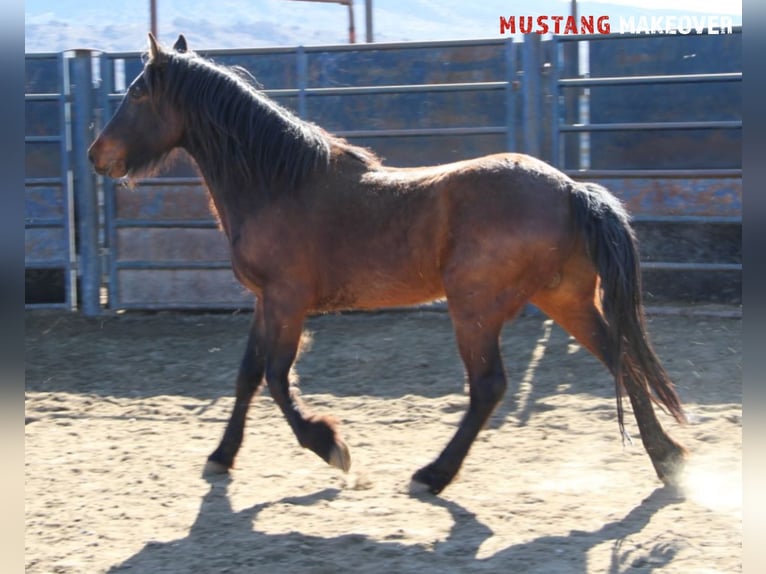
[(340, 457), (213, 468), (417, 488)]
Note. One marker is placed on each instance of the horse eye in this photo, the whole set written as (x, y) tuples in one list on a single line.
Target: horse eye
[(136, 92)]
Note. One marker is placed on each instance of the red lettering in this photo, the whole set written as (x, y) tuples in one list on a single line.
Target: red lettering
[(603, 25), (557, 28), (525, 29), (586, 25), (542, 25), (571, 26), (509, 24)]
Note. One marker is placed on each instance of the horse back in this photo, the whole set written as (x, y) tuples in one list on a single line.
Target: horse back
[(380, 237)]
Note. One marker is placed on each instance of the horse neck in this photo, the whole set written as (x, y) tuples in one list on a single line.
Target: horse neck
[(234, 189), (250, 157)]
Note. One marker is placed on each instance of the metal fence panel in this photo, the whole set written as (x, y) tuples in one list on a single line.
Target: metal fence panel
[(658, 121), (49, 256)]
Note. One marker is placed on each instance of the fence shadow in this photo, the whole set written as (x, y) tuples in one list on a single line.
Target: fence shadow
[(383, 355), (380, 355), (224, 540)]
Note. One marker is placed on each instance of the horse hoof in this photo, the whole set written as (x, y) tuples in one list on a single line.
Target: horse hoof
[(431, 478), (672, 475), (213, 468), (418, 489), (670, 470), (340, 457)]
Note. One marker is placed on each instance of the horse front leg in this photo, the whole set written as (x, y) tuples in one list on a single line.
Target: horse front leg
[(249, 381), (284, 326)]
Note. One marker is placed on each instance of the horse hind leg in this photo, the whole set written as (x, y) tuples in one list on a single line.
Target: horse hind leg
[(572, 304), (478, 339)]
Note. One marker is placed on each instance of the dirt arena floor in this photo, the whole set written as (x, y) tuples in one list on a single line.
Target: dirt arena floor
[(121, 413)]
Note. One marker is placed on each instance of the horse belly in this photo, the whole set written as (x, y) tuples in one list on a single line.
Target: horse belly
[(415, 289), (376, 283)]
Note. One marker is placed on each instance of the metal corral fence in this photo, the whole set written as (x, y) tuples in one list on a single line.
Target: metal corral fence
[(657, 119), (50, 253), (598, 107)]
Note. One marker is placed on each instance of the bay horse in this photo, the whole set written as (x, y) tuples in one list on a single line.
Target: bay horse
[(316, 224)]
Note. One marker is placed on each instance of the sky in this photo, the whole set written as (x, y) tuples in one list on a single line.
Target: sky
[(110, 25)]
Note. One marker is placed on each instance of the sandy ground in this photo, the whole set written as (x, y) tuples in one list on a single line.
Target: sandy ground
[(122, 412)]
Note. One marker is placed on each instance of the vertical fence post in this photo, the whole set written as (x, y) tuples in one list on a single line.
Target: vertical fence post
[(103, 112), (86, 201), (531, 57), (301, 71), (555, 92), (65, 116), (510, 95), (570, 146)]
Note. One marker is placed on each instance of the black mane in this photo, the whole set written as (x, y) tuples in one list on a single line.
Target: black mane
[(246, 138)]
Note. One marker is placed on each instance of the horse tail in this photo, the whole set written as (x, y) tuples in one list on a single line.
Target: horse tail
[(612, 246)]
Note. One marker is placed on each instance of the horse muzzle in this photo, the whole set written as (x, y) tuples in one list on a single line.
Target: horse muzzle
[(105, 160)]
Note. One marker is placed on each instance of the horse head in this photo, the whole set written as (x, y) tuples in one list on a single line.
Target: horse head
[(146, 125)]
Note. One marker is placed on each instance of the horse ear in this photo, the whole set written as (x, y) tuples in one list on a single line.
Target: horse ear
[(180, 45), (155, 53)]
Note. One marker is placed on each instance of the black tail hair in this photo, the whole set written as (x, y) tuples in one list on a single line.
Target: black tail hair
[(613, 248)]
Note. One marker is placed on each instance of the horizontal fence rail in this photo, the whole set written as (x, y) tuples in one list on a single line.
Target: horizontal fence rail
[(657, 79)]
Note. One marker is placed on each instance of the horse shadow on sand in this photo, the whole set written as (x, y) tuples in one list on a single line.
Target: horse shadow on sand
[(223, 540)]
